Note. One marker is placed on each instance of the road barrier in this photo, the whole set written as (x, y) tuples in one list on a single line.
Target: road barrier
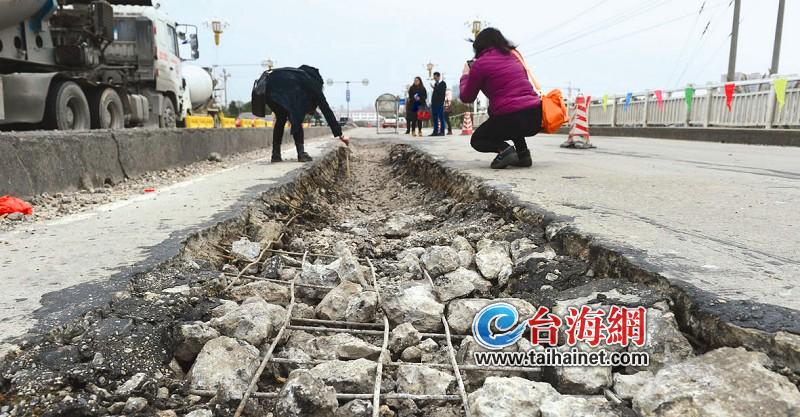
[(33, 163), (754, 104)]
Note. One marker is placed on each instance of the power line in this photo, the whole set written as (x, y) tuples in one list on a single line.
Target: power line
[(608, 23), (699, 45), (686, 41), (549, 31), (634, 32)]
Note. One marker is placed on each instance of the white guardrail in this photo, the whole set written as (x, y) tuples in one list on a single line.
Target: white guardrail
[(754, 106)]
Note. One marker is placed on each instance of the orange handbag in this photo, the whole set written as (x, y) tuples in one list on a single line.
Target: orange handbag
[(554, 108)]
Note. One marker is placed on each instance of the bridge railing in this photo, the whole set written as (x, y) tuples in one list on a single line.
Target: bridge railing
[(754, 106)]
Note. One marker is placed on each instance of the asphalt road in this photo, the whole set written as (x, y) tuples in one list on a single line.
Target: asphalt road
[(56, 270), (722, 217)]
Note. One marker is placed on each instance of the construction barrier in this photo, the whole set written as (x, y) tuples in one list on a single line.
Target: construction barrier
[(207, 122), (466, 125), (228, 123), (199, 122), (579, 125)]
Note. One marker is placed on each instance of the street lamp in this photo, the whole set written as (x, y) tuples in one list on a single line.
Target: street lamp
[(217, 26), (268, 64), (429, 67), (330, 82), (476, 28)]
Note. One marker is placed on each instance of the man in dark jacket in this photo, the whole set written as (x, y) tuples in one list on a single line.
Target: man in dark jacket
[(437, 104), (292, 93)]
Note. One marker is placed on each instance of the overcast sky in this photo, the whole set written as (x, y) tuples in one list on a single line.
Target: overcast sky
[(611, 46)]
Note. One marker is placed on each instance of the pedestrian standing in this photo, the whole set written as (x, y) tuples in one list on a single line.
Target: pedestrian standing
[(418, 96), (437, 104), (292, 93), (515, 109), (448, 110)]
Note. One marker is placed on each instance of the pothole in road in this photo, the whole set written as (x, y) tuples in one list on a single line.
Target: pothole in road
[(355, 239)]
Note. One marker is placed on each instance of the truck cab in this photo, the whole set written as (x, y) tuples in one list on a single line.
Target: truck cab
[(92, 63), (157, 57)]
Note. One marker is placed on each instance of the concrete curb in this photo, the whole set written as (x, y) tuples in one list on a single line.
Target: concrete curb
[(33, 163), (772, 137)]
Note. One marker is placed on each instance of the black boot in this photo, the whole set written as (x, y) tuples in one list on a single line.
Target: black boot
[(277, 158), (525, 159), (506, 158), (304, 157)]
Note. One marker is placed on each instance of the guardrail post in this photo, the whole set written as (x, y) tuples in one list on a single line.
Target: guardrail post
[(769, 117), (613, 111), (646, 105), (709, 100)]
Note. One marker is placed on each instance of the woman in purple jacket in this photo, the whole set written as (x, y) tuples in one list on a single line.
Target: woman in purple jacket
[(515, 109)]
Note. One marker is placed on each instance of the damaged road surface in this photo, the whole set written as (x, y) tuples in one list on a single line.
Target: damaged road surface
[(351, 291)]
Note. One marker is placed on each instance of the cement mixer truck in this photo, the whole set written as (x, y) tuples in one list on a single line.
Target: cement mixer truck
[(199, 92), (99, 64)]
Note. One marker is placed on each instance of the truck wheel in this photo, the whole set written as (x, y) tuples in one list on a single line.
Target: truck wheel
[(107, 110), (168, 117), (67, 107)]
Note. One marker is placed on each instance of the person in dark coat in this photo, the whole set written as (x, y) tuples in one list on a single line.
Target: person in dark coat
[(437, 104), (417, 99), (292, 93)]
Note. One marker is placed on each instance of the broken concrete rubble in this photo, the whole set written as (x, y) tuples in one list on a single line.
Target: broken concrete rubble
[(334, 304), (520, 397), (417, 305), (252, 322), (422, 380), (245, 249), (330, 222), (403, 337), (493, 261), (304, 395), (356, 376), (440, 260), (723, 382), (224, 365)]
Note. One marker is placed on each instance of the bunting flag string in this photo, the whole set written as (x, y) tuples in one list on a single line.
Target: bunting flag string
[(780, 91), (660, 99), (688, 94), (729, 88)]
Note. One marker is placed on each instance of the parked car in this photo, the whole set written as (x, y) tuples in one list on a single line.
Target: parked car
[(391, 122)]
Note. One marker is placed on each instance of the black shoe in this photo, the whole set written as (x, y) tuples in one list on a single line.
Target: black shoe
[(304, 157), (277, 158), (525, 160), (506, 158)]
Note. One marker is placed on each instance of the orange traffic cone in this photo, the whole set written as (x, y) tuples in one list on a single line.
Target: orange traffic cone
[(579, 125), (466, 125)]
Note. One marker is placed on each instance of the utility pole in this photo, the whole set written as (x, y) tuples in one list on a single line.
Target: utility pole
[(225, 76), (734, 39), (776, 49)]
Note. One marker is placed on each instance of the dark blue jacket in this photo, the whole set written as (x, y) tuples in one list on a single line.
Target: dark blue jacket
[(439, 93), (296, 90)]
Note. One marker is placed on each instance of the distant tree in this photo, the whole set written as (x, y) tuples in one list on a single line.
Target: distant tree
[(458, 107), (233, 109)]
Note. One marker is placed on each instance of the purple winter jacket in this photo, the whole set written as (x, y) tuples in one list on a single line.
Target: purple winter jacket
[(504, 81)]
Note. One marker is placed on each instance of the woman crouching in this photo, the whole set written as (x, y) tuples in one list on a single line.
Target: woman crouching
[(515, 109)]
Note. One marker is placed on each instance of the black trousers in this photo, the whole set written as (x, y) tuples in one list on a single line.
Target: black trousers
[(281, 117), (447, 118), (493, 134)]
